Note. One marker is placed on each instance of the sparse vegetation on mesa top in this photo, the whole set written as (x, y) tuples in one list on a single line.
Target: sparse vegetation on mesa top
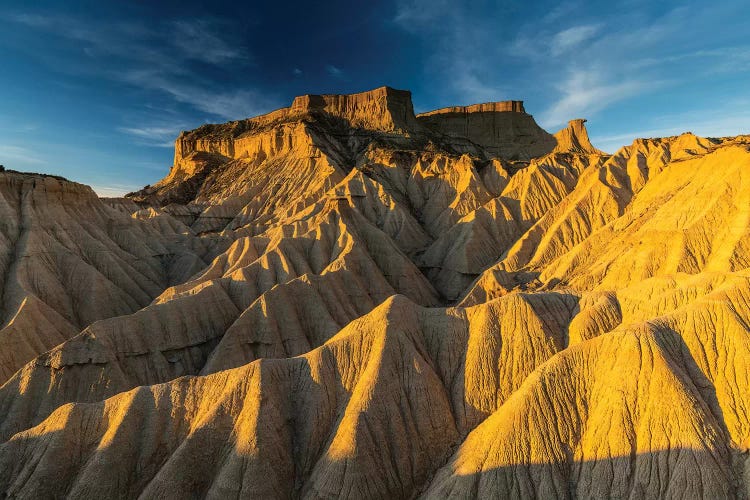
[(38, 174)]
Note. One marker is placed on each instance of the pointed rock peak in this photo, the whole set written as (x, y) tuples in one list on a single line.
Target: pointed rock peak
[(397, 306), (575, 139), (385, 108)]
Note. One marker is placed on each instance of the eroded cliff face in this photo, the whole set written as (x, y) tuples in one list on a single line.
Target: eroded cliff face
[(68, 260), (381, 110), (341, 300), (215, 164), (384, 109), (502, 128)]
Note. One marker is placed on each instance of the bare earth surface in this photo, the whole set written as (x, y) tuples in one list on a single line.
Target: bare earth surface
[(343, 299)]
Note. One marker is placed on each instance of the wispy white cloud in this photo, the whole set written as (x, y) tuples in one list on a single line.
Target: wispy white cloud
[(172, 43), (462, 49), (724, 59), (201, 40), (571, 38), (155, 136), (584, 92), (334, 71), (592, 67), (729, 118), (559, 12), (159, 59), (227, 104), (11, 154), (566, 61), (419, 14)]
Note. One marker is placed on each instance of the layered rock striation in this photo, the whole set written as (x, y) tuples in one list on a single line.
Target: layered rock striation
[(502, 128)]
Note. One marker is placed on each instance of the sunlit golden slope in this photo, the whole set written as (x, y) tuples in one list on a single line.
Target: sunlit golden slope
[(657, 207), (371, 413), (276, 318), (613, 417), (399, 388), (655, 408)]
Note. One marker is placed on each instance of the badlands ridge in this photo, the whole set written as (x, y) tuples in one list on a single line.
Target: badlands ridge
[(343, 299)]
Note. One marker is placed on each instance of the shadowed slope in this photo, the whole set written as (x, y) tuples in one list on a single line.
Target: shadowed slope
[(478, 238), (67, 260), (176, 334)]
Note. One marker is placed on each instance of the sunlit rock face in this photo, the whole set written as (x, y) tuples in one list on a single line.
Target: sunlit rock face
[(343, 299)]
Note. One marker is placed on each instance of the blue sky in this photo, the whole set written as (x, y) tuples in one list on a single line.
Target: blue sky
[(97, 91)]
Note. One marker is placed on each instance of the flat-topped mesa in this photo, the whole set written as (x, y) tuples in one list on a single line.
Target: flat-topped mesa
[(46, 187), (503, 128), (383, 109), (494, 107)]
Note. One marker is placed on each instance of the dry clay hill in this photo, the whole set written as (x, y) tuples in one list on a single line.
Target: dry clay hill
[(343, 299)]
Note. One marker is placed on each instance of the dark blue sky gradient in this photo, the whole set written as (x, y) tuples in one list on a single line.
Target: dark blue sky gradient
[(97, 91)]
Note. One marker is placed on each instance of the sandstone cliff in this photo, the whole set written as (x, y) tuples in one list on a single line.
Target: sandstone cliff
[(503, 128)]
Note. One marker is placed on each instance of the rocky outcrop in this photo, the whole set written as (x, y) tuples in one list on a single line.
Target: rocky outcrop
[(486, 107), (380, 110), (383, 109), (502, 128), (575, 139), (339, 130)]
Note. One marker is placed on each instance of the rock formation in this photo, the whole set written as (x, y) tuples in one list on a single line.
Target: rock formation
[(502, 128), (343, 299), (67, 260)]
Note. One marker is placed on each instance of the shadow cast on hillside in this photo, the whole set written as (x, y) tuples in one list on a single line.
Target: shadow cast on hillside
[(673, 473)]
